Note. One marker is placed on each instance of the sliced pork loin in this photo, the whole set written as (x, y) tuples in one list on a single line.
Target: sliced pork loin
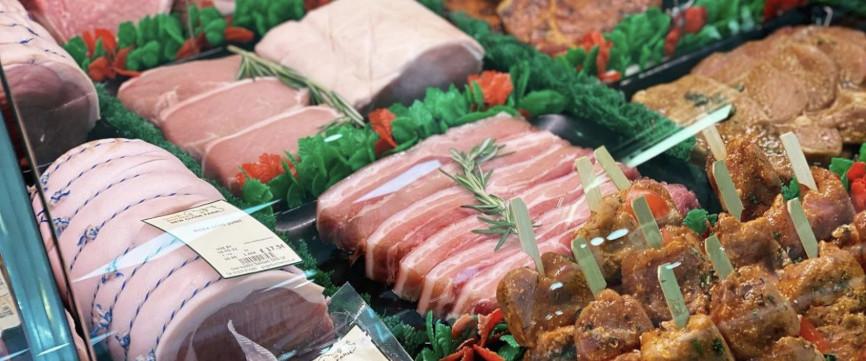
[(276, 135), (161, 88), (195, 123), (68, 18), (375, 52), (55, 99), (155, 296), (376, 181)]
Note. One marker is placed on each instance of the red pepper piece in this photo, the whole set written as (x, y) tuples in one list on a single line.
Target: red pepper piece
[(238, 35), (487, 355), (496, 86), (858, 194), (857, 171), (100, 69), (809, 333), (671, 41), (109, 41), (696, 18)]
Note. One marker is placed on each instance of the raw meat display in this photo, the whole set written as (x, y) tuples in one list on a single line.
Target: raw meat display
[(68, 18), (52, 94), (557, 25), (198, 121), (276, 135), (153, 296), (161, 88), (393, 59), (806, 79), (407, 219)]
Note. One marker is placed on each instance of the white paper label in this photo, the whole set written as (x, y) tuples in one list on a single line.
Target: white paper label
[(8, 312), (355, 346), (231, 241)]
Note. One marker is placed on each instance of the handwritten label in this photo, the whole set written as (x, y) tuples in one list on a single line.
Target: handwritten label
[(231, 241), (8, 312), (355, 346)]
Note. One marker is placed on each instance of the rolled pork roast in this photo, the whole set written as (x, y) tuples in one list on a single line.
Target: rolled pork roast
[(150, 296), (54, 97), (68, 18)]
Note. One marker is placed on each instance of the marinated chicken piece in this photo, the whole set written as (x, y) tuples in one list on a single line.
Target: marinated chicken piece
[(556, 25), (782, 229), (834, 313), (754, 176), (694, 273), (791, 349), (609, 326), (845, 46), (700, 340), (815, 71), (764, 84), (534, 304), (556, 345), (687, 98), (751, 313), (852, 238), (847, 340), (750, 243), (631, 356), (830, 206), (614, 230), (824, 280)]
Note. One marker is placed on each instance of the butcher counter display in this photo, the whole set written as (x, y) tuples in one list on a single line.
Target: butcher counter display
[(433, 180)]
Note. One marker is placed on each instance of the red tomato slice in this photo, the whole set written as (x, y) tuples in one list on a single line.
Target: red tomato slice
[(656, 203), (809, 333)]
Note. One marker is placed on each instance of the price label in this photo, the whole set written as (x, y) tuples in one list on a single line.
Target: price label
[(231, 241), (8, 312), (355, 346)]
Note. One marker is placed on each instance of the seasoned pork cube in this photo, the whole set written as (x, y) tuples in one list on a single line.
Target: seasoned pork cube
[(700, 340), (750, 243), (847, 340), (754, 176), (751, 313), (852, 238), (824, 280), (556, 345), (610, 326), (791, 349)]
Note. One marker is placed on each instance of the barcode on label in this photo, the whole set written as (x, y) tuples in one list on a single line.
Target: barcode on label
[(259, 258)]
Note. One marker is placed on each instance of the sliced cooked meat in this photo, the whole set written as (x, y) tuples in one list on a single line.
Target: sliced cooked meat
[(847, 115), (846, 47), (534, 304), (556, 25), (751, 313), (555, 345), (813, 69), (764, 84), (822, 281), (792, 349), (604, 226), (683, 100), (609, 326), (753, 174), (700, 340), (819, 143), (728, 68), (750, 243), (694, 274)]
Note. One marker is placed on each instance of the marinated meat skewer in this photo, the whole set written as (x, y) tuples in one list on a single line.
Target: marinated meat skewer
[(699, 340), (751, 243), (610, 326)]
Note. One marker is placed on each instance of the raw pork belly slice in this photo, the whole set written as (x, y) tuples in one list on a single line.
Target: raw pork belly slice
[(161, 88), (55, 99), (194, 123), (369, 184), (68, 18), (415, 224), (375, 52), (361, 226), (276, 135), (158, 297)]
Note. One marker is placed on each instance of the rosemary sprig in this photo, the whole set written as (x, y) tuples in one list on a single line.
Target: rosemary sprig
[(253, 66), (497, 212)]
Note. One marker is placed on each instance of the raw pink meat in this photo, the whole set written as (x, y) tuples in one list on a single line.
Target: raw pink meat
[(55, 99), (197, 121), (375, 53), (370, 217), (150, 294), (415, 224), (346, 198), (276, 135), (68, 18), (164, 87)]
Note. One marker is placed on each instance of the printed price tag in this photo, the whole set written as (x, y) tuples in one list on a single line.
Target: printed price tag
[(355, 346), (231, 241), (8, 312)]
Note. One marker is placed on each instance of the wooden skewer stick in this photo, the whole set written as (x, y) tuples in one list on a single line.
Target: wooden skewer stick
[(587, 178), (673, 294), (603, 157), (721, 262), (798, 160), (729, 196), (648, 225), (804, 229), (714, 141), (586, 261), (525, 232)]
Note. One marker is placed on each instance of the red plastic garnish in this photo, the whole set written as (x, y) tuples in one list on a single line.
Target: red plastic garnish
[(192, 46), (380, 121), (773, 8), (596, 38), (100, 69), (312, 4), (238, 35), (671, 41), (496, 86), (486, 354), (857, 171), (695, 19), (267, 168), (487, 323), (858, 194)]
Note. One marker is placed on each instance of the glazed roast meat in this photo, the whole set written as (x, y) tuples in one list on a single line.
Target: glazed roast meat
[(807, 80), (556, 25)]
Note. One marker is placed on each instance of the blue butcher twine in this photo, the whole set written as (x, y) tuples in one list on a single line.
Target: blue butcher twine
[(58, 163)]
